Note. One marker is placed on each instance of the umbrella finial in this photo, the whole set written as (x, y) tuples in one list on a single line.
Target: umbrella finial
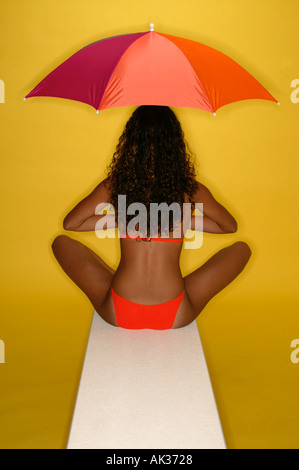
[(152, 26)]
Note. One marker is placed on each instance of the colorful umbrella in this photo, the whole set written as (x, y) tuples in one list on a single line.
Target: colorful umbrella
[(151, 68)]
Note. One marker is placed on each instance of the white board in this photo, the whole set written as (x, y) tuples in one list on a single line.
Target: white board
[(144, 389)]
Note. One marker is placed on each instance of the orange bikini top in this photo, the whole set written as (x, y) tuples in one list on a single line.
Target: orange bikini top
[(171, 240)]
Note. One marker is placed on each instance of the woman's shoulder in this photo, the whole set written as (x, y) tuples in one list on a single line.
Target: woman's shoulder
[(100, 194), (195, 194), (103, 188), (202, 193), (106, 184)]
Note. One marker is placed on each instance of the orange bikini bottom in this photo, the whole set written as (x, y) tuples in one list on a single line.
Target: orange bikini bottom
[(135, 316)]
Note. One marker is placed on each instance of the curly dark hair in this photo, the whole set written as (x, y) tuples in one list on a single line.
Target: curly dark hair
[(152, 161)]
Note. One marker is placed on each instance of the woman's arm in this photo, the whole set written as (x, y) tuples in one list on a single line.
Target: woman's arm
[(83, 217), (216, 219)]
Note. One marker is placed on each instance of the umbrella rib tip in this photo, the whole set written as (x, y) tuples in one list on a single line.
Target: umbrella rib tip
[(152, 27)]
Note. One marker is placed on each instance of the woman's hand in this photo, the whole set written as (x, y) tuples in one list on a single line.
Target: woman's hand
[(216, 219)]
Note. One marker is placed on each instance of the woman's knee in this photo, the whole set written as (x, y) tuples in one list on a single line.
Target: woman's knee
[(59, 241), (243, 247)]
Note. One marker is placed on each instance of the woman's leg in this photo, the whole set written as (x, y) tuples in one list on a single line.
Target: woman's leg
[(204, 283), (87, 270)]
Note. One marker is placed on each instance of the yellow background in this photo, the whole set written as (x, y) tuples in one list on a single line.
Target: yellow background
[(53, 152)]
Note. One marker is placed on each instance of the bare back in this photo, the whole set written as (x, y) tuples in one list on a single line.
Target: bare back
[(149, 271)]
